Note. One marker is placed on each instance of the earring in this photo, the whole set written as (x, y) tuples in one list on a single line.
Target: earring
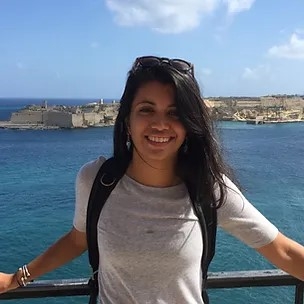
[(128, 142), (185, 146)]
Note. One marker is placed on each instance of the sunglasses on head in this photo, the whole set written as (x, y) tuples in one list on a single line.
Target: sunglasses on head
[(150, 61)]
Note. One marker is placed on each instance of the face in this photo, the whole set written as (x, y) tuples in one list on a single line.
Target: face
[(154, 126)]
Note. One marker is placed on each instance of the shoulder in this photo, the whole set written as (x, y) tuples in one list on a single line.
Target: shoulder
[(84, 181), (232, 192), (234, 201), (88, 171), (243, 220), (231, 188)]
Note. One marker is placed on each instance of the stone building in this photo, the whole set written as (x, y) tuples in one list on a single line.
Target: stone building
[(27, 117), (66, 118)]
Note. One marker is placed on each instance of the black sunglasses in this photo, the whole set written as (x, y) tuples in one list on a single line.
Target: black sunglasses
[(150, 61)]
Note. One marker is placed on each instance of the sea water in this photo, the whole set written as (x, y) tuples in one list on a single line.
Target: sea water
[(37, 175)]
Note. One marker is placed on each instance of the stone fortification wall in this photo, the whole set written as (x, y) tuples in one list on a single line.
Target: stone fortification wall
[(110, 113), (93, 118), (216, 103), (60, 119), (266, 101), (77, 120), (288, 103), (296, 103), (248, 103), (234, 102), (27, 117), (64, 119)]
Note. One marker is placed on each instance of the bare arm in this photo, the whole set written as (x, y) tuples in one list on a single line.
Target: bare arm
[(70, 246), (286, 254)]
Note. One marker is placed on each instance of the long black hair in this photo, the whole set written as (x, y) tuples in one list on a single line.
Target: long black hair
[(201, 166)]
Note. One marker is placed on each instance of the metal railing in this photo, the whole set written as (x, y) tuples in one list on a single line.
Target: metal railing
[(235, 279)]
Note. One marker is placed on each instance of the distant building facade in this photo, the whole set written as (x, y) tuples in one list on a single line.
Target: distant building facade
[(66, 118)]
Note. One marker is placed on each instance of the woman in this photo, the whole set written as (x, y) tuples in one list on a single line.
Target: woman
[(150, 241)]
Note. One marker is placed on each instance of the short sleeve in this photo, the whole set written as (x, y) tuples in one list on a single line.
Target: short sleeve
[(241, 219), (83, 185)]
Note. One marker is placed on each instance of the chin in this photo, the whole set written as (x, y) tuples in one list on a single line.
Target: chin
[(161, 157)]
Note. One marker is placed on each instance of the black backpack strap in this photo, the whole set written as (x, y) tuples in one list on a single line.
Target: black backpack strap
[(207, 216), (105, 181), (210, 216)]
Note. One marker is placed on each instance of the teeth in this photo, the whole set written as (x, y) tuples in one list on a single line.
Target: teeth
[(159, 139)]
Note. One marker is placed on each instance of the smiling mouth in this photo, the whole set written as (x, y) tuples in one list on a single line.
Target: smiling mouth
[(158, 140)]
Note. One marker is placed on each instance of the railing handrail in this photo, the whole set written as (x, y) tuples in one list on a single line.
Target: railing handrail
[(233, 279)]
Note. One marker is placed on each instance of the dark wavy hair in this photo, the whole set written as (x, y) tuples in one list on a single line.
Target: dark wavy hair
[(201, 167)]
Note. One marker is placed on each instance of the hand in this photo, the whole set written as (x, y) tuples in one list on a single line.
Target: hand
[(7, 282)]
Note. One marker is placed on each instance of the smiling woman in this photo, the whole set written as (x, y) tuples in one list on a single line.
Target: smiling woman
[(170, 190)]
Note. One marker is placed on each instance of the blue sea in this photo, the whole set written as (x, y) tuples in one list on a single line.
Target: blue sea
[(38, 170)]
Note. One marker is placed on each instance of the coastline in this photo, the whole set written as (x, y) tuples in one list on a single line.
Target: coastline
[(13, 126), (22, 126)]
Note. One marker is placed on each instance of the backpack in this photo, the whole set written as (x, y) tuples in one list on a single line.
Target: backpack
[(105, 181)]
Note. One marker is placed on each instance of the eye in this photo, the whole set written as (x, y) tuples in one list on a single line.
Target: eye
[(173, 113), (146, 110)]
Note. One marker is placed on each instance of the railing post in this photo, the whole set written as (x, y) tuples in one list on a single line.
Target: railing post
[(299, 293)]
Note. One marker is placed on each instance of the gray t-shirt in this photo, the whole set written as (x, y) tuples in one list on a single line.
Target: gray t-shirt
[(149, 238)]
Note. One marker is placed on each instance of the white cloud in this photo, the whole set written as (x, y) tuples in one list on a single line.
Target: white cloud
[(237, 6), (256, 73), (294, 49), (170, 16)]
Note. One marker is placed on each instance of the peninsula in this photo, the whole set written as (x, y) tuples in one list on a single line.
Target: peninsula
[(94, 114)]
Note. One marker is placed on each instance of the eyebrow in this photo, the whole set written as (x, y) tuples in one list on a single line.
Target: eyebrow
[(153, 103)]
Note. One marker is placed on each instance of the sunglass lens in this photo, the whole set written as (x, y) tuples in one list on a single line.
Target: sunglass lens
[(149, 61), (181, 65)]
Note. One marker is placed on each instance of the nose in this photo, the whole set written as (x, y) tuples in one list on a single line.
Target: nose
[(160, 122)]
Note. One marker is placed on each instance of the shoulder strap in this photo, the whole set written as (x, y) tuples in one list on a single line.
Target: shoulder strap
[(105, 181), (207, 216), (210, 216)]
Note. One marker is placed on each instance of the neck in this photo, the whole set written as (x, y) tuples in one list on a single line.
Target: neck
[(153, 173)]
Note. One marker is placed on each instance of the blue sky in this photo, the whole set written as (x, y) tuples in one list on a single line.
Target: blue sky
[(84, 48)]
